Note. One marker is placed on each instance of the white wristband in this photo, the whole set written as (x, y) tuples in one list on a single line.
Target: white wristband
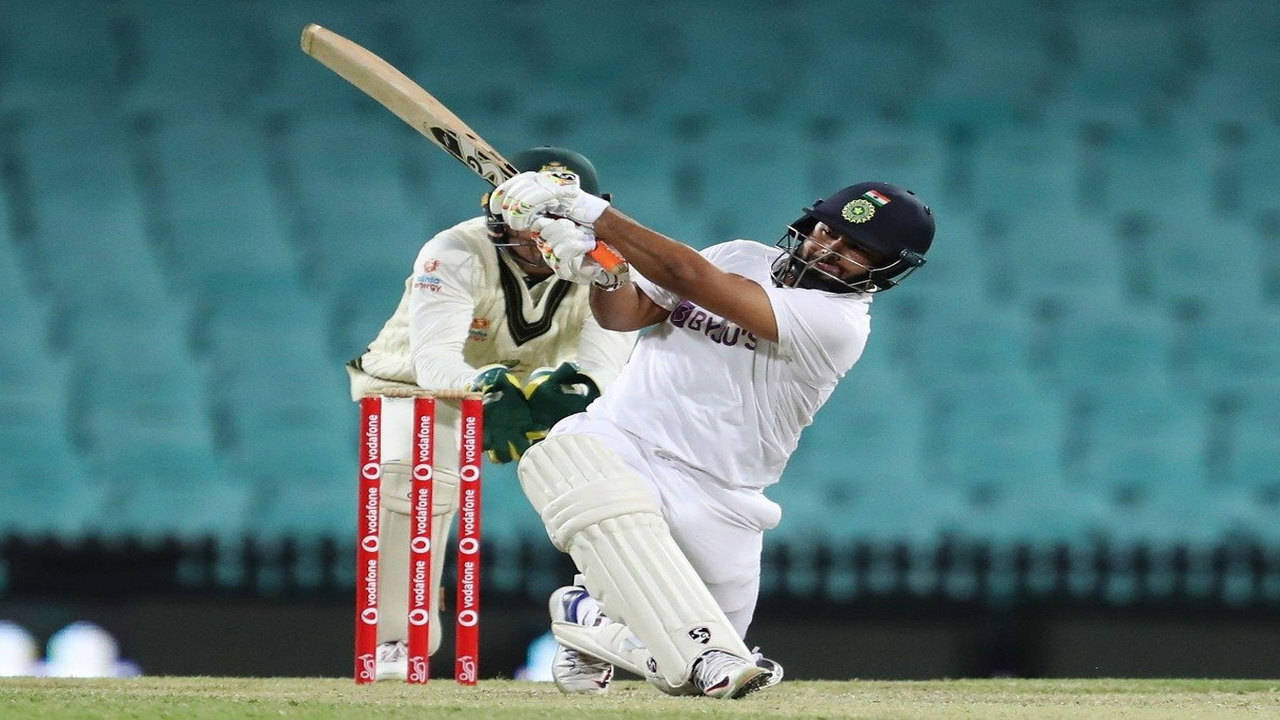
[(588, 209)]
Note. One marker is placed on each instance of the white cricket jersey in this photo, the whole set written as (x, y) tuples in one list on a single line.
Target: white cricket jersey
[(721, 400)]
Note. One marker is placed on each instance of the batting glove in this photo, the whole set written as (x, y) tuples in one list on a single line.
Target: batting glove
[(507, 420), (564, 246), (528, 195), (557, 393)]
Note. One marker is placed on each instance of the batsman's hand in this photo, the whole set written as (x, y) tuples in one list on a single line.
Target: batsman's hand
[(557, 393), (564, 246), (507, 420), (525, 197)]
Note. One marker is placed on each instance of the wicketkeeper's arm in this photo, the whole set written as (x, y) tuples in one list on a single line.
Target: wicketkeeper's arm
[(441, 306)]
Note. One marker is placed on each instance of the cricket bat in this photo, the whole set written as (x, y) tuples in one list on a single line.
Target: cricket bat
[(420, 109)]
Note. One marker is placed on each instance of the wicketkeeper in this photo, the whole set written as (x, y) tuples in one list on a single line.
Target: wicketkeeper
[(481, 310)]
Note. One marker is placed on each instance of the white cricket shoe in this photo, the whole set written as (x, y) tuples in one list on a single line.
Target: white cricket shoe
[(772, 666), (574, 672), (393, 660), (719, 674)]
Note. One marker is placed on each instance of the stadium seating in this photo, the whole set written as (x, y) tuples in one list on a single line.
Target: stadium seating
[(199, 225)]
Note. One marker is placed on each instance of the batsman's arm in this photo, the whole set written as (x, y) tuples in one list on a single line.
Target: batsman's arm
[(681, 270), (625, 309)]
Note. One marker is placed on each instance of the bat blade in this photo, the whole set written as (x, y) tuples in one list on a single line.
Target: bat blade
[(381, 81), (409, 101)]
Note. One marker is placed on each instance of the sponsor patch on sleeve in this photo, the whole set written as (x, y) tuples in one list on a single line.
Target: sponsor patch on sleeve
[(427, 281)]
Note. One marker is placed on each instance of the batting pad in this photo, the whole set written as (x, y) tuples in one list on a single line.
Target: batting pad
[(600, 512)]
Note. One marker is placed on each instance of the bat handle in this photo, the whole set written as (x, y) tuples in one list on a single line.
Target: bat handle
[(608, 259)]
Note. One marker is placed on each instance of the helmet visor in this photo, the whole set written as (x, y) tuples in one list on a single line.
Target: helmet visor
[(821, 269)]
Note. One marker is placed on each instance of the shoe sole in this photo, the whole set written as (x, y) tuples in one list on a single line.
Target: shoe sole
[(759, 682)]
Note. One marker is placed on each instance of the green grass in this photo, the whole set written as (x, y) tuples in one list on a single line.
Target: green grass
[(239, 698)]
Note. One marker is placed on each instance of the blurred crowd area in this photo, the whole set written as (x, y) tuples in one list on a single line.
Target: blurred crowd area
[(199, 225)]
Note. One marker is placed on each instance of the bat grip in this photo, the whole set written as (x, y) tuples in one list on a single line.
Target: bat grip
[(608, 259)]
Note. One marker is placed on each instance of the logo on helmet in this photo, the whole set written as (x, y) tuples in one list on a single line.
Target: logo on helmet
[(560, 173), (858, 210), (877, 197)]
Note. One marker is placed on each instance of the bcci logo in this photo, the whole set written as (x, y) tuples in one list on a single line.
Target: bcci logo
[(858, 211)]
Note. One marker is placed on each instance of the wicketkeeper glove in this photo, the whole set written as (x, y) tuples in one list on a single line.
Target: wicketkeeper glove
[(556, 393), (507, 420)]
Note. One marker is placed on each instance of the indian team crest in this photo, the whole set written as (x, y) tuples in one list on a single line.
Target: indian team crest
[(858, 210)]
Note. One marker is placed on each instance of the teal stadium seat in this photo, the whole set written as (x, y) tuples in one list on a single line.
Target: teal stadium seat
[(360, 307), (1132, 436), (866, 507), (45, 487), (858, 476), (205, 60), (662, 190), (995, 443), (1161, 518), (507, 516), (989, 344), (994, 432), (358, 214), (52, 64), (870, 431), (1235, 351), (224, 216), (1261, 168), (169, 488), (90, 238), (278, 399), (700, 63), (302, 485), (906, 155), (1145, 166), (1241, 73), (956, 274), (290, 79), (1158, 273), (997, 68), (904, 42), (1036, 512), (1036, 237), (1253, 452), (141, 400), (1126, 53), (1099, 350), (763, 161), (25, 316)]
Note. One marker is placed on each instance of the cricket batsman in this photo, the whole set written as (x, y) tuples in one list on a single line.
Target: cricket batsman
[(657, 491)]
